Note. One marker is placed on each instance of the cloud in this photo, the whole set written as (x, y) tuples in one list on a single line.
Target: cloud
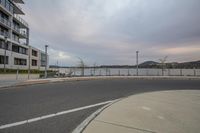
[(182, 50), (109, 32), (60, 57)]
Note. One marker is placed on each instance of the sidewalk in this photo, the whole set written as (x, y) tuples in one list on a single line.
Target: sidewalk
[(160, 112)]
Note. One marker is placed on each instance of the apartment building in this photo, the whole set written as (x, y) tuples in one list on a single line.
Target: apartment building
[(15, 51)]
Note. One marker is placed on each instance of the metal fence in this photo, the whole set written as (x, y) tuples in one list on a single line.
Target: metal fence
[(129, 72)]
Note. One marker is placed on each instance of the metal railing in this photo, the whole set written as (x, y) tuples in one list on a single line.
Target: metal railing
[(16, 39), (23, 33), (17, 29), (7, 5), (4, 34), (21, 20), (5, 21)]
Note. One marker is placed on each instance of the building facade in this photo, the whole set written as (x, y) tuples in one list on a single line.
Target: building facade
[(15, 51)]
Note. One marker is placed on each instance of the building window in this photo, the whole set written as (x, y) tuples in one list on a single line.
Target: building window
[(21, 62), (2, 59), (34, 62), (19, 49), (34, 53), (4, 31), (15, 37), (3, 46)]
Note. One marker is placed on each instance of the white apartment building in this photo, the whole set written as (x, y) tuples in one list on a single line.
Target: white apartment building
[(15, 51)]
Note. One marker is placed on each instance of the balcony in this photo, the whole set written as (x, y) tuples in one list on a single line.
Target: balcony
[(22, 21), (17, 41), (5, 22), (18, 1), (23, 34), (17, 9), (16, 29), (4, 34), (7, 5)]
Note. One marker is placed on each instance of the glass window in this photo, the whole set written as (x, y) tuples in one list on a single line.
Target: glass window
[(34, 62), (2, 59), (18, 61), (34, 53)]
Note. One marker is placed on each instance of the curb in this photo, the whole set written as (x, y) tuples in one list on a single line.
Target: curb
[(81, 127)]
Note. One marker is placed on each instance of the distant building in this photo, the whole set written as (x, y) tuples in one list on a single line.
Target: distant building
[(14, 39)]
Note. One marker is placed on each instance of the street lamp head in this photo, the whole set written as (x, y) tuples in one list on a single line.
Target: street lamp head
[(137, 51), (46, 45)]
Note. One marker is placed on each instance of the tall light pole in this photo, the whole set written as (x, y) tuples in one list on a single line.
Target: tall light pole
[(29, 61), (46, 63), (137, 61), (5, 47)]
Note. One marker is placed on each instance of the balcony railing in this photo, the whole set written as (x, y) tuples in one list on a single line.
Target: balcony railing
[(5, 34), (5, 21), (7, 5), (16, 39), (15, 28), (21, 20), (21, 32)]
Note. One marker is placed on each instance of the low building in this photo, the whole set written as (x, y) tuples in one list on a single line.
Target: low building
[(15, 51)]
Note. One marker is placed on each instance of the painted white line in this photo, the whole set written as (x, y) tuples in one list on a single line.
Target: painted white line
[(53, 115)]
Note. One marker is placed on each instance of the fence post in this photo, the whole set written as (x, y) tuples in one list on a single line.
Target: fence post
[(17, 74), (147, 72), (194, 72), (181, 72), (74, 72), (119, 73), (91, 72), (169, 74), (128, 73)]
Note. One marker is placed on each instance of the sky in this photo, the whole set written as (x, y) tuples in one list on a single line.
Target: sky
[(109, 32)]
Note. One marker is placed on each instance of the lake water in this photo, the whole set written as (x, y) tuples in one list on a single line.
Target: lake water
[(130, 72)]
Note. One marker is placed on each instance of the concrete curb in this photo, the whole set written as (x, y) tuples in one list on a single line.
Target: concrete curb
[(80, 128), (54, 80)]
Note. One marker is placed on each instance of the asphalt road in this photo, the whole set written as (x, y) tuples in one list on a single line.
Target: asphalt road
[(22, 103)]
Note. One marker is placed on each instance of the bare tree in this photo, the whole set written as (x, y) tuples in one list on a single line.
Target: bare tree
[(163, 63), (82, 66)]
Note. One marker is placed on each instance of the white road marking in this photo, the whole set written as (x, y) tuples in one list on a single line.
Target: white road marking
[(53, 115)]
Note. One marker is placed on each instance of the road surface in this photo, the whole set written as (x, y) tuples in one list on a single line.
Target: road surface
[(27, 102)]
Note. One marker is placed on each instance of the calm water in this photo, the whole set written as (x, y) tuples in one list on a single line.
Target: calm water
[(132, 71)]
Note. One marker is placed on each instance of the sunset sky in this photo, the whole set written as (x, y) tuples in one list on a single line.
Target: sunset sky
[(110, 31)]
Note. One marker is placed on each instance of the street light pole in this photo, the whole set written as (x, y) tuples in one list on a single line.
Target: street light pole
[(29, 61), (137, 61), (5, 46), (46, 46)]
